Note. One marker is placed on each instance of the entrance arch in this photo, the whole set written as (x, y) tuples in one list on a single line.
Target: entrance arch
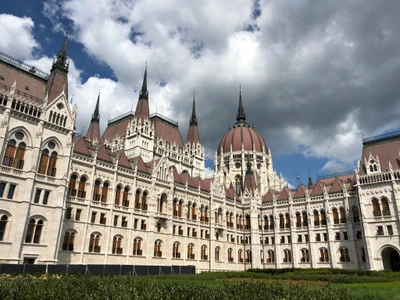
[(391, 259)]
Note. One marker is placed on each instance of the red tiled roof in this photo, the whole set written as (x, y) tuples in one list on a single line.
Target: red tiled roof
[(242, 133), (196, 181), (56, 83), (335, 187), (93, 132), (123, 161), (168, 132), (177, 178), (80, 146), (300, 192), (193, 135), (142, 109), (141, 166), (268, 196), (284, 194), (317, 189), (386, 149), (116, 129), (185, 176), (250, 183), (103, 154), (230, 193), (36, 85), (207, 183)]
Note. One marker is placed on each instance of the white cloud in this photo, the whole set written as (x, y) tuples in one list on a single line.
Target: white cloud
[(16, 36), (209, 172)]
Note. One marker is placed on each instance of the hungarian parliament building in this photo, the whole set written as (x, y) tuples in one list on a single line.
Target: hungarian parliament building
[(137, 194)]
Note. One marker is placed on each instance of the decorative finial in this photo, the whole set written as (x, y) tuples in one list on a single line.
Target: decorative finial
[(193, 119), (144, 93)]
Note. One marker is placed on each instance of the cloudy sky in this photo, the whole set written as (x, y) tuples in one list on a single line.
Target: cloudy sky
[(316, 76)]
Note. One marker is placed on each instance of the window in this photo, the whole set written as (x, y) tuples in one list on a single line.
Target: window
[(318, 237), (230, 255), (72, 186), (11, 191), (118, 195), (306, 238), (337, 236), (96, 191), (34, 231), (390, 230), (137, 199), (115, 220), (2, 188), (304, 256), (298, 220), (190, 254), (325, 237), (358, 235), (363, 258), (37, 196), (249, 256), (316, 218), (81, 187), (48, 160), (270, 256), (305, 219), (342, 215), (124, 222), (287, 257), (204, 253), (287, 221), (345, 236), (335, 216), (143, 225), (379, 230), (117, 247), (103, 219), (68, 243), (46, 197), (125, 201), (385, 207), (137, 246), (175, 250), (78, 214), (271, 222), (217, 251), (157, 248), (15, 151), (323, 217), (323, 255), (3, 226), (356, 215), (104, 192), (344, 255), (376, 208), (281, 222), (282, 239), (94, 243), (299, 238), (68, 213), (144, 203), (93, 219)]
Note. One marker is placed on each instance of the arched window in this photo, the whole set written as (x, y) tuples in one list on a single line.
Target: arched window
[(323, 217), (44, 160), (344, 255), (144, 200), (104, 192), (163, 204), (69, 239), (96, 191), (316, 218), (287, 221), (190, 253), (376, 208), (125, 201), (249, 256), (230, 255), (238, 184), (271, 222), (34, 231), (118, 195), (10, 153), (323, 255), (204, 252), (240, 255), (305, 219), (304, 256), (157, 248), (117, 245), (72, 186), (206, 214), (356, 215), (194, 211), (3, 226), (48, 162), (270, 256), (281, 221), (94, 243), (342, 215), (385, 207), (81, 187), (137, 246), (175, 207), (137, 199), (247, 226), (15, 151), (19, 156), (52, 168), (335, 216), (217, 250), (175, 250), (287, 256), (363, 258), (298, 220)]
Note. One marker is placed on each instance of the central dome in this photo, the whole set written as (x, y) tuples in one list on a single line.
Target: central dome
[(242, 134)]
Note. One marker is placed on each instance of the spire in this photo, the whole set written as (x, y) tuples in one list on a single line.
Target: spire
[(193, 119), (144, 93), (240, 116), (96, 114), (61, 61), (310, 182)]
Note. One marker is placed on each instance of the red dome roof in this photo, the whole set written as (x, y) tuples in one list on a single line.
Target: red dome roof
[(242, 132)]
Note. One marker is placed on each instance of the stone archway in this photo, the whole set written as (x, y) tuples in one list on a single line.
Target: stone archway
[(391, 259)]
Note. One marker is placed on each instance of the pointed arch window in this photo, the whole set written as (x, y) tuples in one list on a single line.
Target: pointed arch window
[(175, 250), (240, 255), (137, 199), (204, 253), (190, 254), (271, 222), (304, 256), (81, 187), (96, 191), (316, 218), (137, 246), (249, 256), (118, 195), (174, 207), (157, 248), (248, 225), (298, 220), (117, 245), (72, 185), (385, 207), (15, 151), (335, 216), (356, 214), (376, 208), (217, 251), (287, 256), (230, 255), (270, 256), (34, 232), (323, 255), (281, 222), (104, 192), (343, 219), (344, 255), (144, 200), (125, 196), (48, 160), (10, 153), (305, 219), (94, 243), (52, 168), (323, 217), (69, 240), (3, 226), (287, 221)]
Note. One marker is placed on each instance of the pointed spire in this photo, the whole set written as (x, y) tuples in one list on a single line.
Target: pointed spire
[(144, 93), (62, 60), (193, 119), (96, 114), (240, 116), (310, 182)]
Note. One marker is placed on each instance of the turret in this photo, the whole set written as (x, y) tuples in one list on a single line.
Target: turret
[(93, 133), (142, 108)]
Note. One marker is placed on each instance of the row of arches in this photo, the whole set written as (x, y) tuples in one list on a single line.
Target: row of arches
[(57, 118)]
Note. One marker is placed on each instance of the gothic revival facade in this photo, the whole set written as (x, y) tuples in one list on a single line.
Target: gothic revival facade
[(137, 194)]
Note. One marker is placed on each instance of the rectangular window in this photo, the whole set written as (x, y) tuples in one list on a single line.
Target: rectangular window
[(337, 236), (46, 197), (93, 219), (306, 238), (2, 188), (289, 239), (78, 214), (135, 223), (115, 220), (345, 236), (11, 190), (103, 219), (390, 230), (358, 235), (325, 237), (318, 237), (299, 238), (124, 222), (37, 196), (282, 239), (143, 225), (380, 230), (68, 213)]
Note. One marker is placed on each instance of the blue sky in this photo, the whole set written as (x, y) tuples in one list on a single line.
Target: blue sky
[(315, 77)]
